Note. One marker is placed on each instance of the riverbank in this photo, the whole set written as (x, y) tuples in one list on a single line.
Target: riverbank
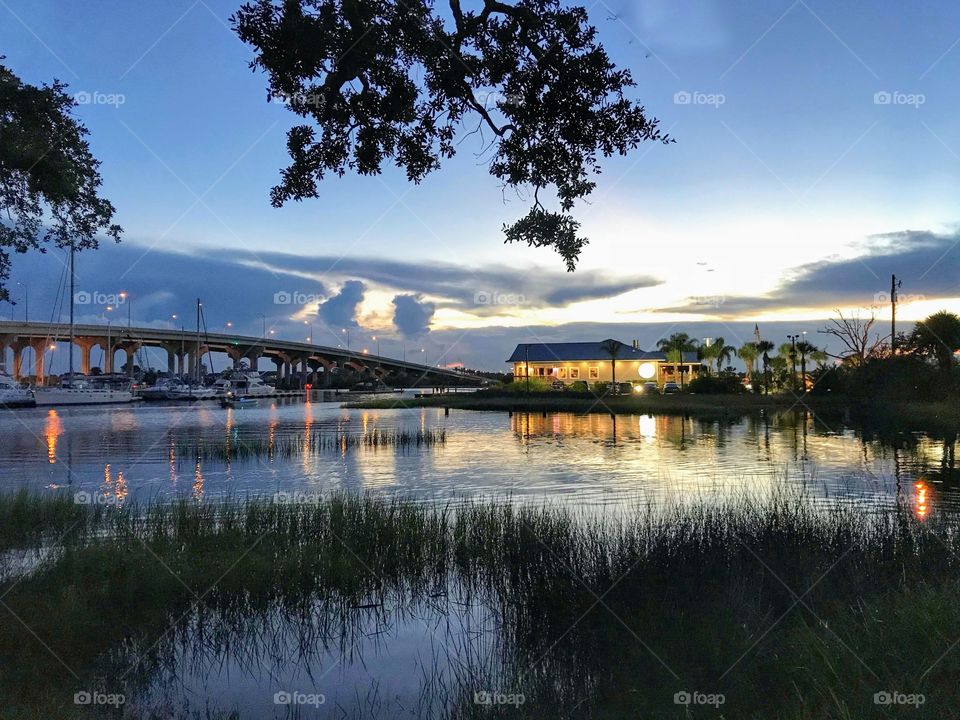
[(942, 416), (680, 403), (768, 609)]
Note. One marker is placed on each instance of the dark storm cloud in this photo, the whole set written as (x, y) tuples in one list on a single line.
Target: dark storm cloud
[(567, 295), (464, 286), (928, 264), (411, 315), (161, 283), (341, 310)]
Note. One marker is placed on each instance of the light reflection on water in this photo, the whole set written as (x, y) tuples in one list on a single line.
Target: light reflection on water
[(593, 460)]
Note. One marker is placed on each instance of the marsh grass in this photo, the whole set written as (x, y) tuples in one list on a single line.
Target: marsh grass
[(788, 609), (308, 444)]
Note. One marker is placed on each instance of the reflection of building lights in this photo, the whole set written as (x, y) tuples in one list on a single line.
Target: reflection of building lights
[(922, 504), (51, 431), (647, 370), (647, 426)]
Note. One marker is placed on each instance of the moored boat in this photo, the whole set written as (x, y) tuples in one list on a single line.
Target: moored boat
[(83, 390), (242, 384), (14, 395)]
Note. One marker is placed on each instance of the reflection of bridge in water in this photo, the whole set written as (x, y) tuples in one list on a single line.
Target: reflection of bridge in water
[(183, 352)]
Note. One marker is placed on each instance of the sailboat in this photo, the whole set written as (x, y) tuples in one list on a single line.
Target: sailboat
[(82, 390)]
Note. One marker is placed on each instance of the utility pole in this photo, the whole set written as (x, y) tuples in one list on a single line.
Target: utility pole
[(793, 360), (893, 315)]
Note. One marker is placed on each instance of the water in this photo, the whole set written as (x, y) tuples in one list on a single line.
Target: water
[(149, 451), (403, 657)]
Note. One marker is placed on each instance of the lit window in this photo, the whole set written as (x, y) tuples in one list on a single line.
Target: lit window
[(562, 373), (574, 373), (594, 373)]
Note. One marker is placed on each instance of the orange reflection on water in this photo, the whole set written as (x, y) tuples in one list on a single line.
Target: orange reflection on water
[(922, 499), (52, 429), (117, 488), (198, 481), (172, 460)]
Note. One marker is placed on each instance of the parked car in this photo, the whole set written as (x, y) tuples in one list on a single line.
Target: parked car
[(557, 385), (624, 388), (650, 388), (670, 388)]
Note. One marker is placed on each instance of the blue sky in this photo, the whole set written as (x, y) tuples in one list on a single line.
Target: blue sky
[(791, 188)]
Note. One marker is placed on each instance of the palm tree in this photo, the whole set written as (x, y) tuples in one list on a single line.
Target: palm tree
[(706, 352), (939, 337), (748, 353), (675, 347), (721, 352), (805, 349), (612, 348), (788, 351), (764, 347)]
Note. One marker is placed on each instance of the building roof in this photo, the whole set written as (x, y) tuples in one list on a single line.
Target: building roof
[(575, 351)]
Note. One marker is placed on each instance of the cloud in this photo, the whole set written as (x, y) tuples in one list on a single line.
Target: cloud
[(341, 310), (458, 286), (927, 263), (567, 295), (411, 315)]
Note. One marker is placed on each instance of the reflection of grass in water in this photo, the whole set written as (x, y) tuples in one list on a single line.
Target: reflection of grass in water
[(316, 443), (593, 618)]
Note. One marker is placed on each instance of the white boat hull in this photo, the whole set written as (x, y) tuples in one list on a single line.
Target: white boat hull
[(195, 394), (81, 396)]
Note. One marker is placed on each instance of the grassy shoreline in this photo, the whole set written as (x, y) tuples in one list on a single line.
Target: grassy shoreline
[(786, 611), (940, 416)]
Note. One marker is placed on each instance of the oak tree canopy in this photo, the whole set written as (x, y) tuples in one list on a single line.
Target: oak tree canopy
[(398, 80)]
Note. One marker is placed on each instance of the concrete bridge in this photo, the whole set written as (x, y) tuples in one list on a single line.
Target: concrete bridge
[(292, 359)]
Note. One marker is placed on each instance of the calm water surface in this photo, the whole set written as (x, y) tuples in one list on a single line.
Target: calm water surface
[(402, 658), (150, 451)]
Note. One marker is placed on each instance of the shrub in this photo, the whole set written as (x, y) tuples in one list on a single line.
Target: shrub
[(903, 377), (600, 388), (579, 386), (519, 385), (714, 385)]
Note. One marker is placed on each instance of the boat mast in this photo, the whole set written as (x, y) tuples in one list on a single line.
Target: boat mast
[(72, 281), (196, 362)]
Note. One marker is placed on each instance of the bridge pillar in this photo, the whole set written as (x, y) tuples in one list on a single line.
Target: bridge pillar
[(86, 345), (39, 371), (172, 359), (130, 351), (18, 347), (253, 356), (6, 341), (328, 366), (235, 355), (314, 366), (195, 360)]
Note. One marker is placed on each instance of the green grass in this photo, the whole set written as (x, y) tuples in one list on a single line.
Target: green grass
[(788, 610), (309, 444)]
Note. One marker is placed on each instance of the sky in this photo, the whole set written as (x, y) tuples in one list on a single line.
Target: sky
[(817, 152)]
